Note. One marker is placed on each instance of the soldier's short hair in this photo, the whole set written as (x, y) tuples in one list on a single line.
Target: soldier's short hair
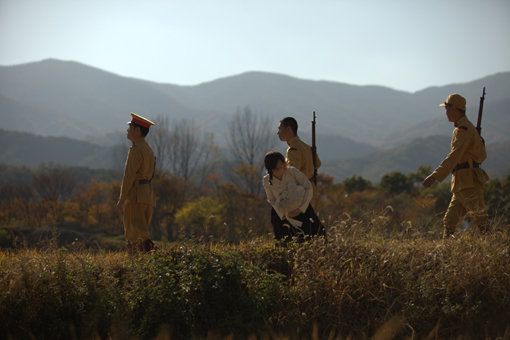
[(290, 122), (144, 131)]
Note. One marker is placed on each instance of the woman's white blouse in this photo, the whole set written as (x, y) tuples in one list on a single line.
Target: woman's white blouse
[(293, 191)]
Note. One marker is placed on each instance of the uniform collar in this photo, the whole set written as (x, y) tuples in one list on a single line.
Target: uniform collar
[(458, 122), (138, 141), (292, 140)]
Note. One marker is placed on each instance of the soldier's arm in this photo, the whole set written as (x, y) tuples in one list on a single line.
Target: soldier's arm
[(459, 146), (133, 163), (294, 158)]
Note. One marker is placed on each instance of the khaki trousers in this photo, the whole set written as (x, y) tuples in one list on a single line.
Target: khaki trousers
[(136, 221), (467, 201)]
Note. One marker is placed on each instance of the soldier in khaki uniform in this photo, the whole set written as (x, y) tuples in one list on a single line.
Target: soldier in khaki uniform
[(137, 200), (463, 162), (299, 154)]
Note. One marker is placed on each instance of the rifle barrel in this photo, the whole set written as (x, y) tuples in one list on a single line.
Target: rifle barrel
[(314, 150), (480, 111)]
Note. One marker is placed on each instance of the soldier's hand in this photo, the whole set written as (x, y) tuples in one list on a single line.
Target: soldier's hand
[(120, 205), (429, 181)]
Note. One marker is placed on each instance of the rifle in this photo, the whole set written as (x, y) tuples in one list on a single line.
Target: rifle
[(480, 109), (314, 151)]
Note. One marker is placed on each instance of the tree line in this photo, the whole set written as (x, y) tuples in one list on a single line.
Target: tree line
[(207, 193)]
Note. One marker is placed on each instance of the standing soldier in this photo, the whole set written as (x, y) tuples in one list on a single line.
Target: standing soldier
[(137, 200), (463, 162), (299, 154)]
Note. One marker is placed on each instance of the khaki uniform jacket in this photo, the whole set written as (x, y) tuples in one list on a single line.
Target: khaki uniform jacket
[(466, 146), (299, 155), (139, 166)]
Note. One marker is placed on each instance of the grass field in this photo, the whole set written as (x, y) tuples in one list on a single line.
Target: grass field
[(357, 284)]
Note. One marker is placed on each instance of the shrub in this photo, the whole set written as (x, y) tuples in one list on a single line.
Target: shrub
[(203, 216)]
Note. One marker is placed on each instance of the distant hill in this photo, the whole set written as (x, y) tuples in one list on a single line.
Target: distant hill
[(498, 161), (495, 124), (331, 147), (63, 98), (428, 151), (82, 100), (21, 174), (29, 149)]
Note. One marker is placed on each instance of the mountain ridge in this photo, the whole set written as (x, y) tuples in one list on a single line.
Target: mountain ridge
[(96, 102), (427, 151)]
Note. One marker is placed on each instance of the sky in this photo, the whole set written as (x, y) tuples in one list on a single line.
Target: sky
[(403, 44)]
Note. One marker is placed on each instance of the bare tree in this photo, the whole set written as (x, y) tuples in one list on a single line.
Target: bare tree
[(119, 153), (249, 139), (159, 139), (190, 153), (54, 182), (209, 159), (184, 149)]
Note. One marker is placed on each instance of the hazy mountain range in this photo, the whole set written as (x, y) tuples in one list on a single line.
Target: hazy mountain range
[(357, 125), (428, 151)]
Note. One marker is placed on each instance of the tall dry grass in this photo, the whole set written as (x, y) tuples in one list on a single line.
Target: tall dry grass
[(361, 282)]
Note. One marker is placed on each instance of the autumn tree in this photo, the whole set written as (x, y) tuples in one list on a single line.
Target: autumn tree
[(96, 208), (18, 202), (54, 184)]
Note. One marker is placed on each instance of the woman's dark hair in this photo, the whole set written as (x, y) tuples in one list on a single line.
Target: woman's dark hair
[(270, 161)]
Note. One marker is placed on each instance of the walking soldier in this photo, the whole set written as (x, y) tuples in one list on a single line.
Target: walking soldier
[(463, 162)]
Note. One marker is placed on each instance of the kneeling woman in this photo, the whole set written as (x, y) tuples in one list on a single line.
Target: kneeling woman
[(289, 192)]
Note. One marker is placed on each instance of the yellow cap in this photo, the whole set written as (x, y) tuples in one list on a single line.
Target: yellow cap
[(455, 100), (139, 120)]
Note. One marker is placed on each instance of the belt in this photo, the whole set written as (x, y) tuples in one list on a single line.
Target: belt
[(465, 166), (144, 181)]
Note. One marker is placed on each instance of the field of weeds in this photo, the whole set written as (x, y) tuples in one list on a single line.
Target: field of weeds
[(353, 285)]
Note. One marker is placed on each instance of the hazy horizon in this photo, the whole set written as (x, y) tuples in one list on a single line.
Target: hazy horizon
[(406, 46)]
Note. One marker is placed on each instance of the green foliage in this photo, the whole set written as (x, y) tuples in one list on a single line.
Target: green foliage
[(49, 294), (193, 290), (6, 238), (396, 183), (497, 197), (356, 183), (421, 173), (203, 216)]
